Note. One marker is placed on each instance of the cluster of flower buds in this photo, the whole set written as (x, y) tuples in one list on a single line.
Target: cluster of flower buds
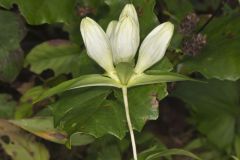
[(192, 43)]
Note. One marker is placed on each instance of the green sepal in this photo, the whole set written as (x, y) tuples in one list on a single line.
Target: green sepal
[(144, 79), (124, 71), (80, 82)]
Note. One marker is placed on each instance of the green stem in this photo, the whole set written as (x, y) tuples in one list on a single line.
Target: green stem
[(125, 98)]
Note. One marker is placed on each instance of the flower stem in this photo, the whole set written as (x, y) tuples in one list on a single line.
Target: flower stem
[(125, 98)]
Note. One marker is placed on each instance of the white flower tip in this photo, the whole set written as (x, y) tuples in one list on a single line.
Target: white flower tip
[(129, 7), (168, 26), (129, 10), (86, 22)]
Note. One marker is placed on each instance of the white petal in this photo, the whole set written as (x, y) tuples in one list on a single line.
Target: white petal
[(111, 28), (125, 41), (129, 10), (97, 44), (154, 46)]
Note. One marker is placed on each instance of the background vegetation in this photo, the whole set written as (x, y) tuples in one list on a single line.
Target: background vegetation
[(41, 46)]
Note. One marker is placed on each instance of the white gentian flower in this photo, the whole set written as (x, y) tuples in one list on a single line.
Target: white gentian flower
[(121, 42), (115, 50)]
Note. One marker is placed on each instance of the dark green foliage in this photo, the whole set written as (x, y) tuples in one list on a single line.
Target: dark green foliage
[(44, 67)]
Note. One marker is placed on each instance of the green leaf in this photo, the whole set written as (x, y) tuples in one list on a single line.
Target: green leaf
[(94, 80), (145, 79), (157, 152), (162, 66), (7, 3), (234, 158), (237, 146), (107, 148), (147, 18), (32, 94), (89, 112), (156, 148), (25, 107), (87, 65), (79, 138), (214, 107), (43, 127), (220, 58), (20, 145), (109, 116), (177, 10), (209, 152), (114, 9), (173, 152), (44, 11), (111, 153), (204, 6), (143, 103), (94, 8), (73, 30), (23, 110), (61, 56), (83, 81), (7, 106), (11, 56)]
